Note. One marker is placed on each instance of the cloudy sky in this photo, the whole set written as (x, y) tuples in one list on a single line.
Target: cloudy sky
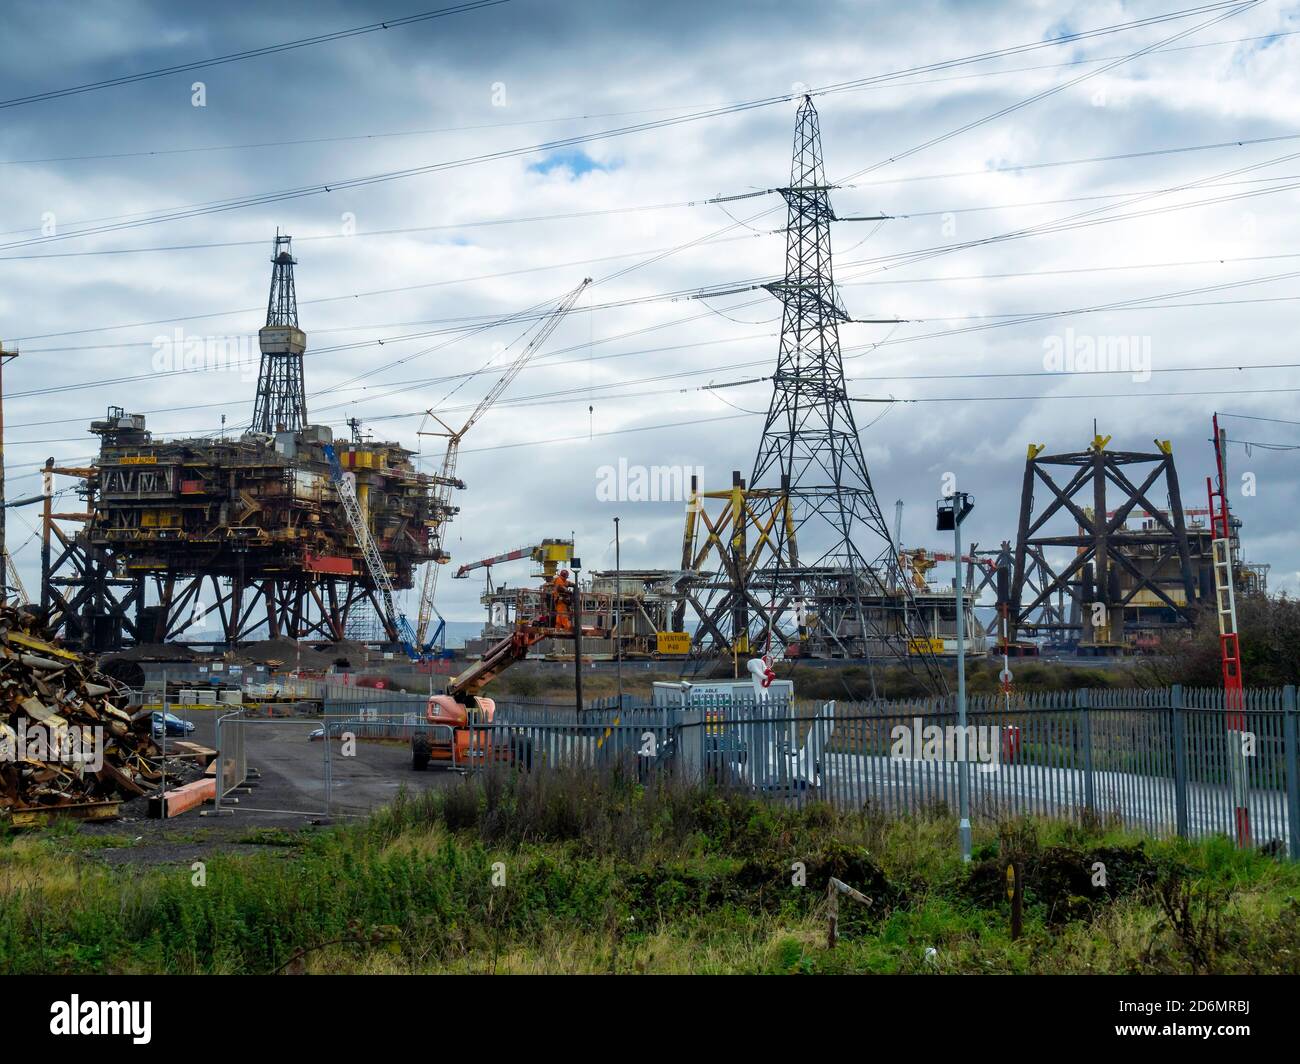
[(1151, 204)]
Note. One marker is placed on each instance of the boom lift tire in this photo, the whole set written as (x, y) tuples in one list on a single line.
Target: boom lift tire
[(419, 751)]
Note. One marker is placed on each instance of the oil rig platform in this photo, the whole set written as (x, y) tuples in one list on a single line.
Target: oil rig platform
[(247, 531)]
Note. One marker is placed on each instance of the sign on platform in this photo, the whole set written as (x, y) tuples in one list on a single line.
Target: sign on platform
[(673, 642)]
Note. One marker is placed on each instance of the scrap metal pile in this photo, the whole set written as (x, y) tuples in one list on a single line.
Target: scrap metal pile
[(68, 743)]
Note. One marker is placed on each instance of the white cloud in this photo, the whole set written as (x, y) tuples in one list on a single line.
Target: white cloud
[(574, 60)]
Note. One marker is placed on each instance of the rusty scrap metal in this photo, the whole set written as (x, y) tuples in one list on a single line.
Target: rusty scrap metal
[(67, 742)]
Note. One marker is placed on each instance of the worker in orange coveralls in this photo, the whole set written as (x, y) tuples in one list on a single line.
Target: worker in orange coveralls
[(560, 589)]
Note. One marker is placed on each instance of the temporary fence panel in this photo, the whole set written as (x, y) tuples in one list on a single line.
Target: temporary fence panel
[(232, 762)]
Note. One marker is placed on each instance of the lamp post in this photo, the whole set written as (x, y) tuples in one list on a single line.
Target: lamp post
[(618, 615), (576, 565), (951, 512)]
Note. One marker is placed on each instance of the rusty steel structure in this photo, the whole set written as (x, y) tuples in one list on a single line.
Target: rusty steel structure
[(1115, 570), (248, 532)]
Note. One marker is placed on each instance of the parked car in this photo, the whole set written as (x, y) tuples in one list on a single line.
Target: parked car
[(175, 726)]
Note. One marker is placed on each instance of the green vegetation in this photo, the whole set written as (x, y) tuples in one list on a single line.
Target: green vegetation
[(607, 875), (1270, 633), (851, 682)]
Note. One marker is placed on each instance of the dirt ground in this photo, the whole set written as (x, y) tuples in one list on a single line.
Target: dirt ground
[(286, 793)]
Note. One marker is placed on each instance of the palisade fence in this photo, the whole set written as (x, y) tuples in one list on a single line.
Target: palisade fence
[(1159, 761)]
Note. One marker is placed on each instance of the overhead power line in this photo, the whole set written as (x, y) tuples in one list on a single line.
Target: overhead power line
[(1256, 417), (1266, 446), (1070, 270), (1012, 168), (1139, 395), (143, 153), (1069, 222), (634, 208), (583, 393), (1083, 219), (457, 329), (1055, 89), (446, 227), (251, 53), (1143, 395), (214, 207)]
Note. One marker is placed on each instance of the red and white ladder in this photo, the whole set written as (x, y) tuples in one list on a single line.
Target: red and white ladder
[(1229, 644)]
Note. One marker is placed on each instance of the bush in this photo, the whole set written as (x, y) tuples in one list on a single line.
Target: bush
[(1269, 631)]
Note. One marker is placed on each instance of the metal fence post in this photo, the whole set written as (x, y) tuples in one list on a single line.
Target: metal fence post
[(329, 770), (690, 743), (1083, 700), (1292, 754), (1180, 757), (221, 770)]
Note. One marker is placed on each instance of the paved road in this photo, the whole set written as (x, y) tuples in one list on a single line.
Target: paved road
[(1143, 801), (289, 785)]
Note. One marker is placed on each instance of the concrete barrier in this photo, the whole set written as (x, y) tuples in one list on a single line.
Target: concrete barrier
[(182, 799)]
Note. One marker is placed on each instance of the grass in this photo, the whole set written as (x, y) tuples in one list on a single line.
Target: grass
[(567, 873)]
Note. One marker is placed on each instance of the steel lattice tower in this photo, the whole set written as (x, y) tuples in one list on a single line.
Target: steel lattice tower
[(810, 452), (281, 403)]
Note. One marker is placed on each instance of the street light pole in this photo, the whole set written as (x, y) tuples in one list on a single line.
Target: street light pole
[(951, 512), (618, 614), (963, 770), (576, 615)]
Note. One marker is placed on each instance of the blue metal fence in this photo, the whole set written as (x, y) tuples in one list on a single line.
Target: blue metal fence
[(1161, 761)]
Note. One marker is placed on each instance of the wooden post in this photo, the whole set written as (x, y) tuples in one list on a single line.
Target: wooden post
[(5, 356), (832, 915), (834, 888), (1015, 894), (47, 517)]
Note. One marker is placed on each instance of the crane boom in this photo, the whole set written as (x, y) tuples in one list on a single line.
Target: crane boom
[(548, 326), (544, 331), (551, 553), (447, 480), (370, 552), (17, 581), (496, 559)]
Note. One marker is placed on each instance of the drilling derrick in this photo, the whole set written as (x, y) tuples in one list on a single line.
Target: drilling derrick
[(281, 404), (811, 551)]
